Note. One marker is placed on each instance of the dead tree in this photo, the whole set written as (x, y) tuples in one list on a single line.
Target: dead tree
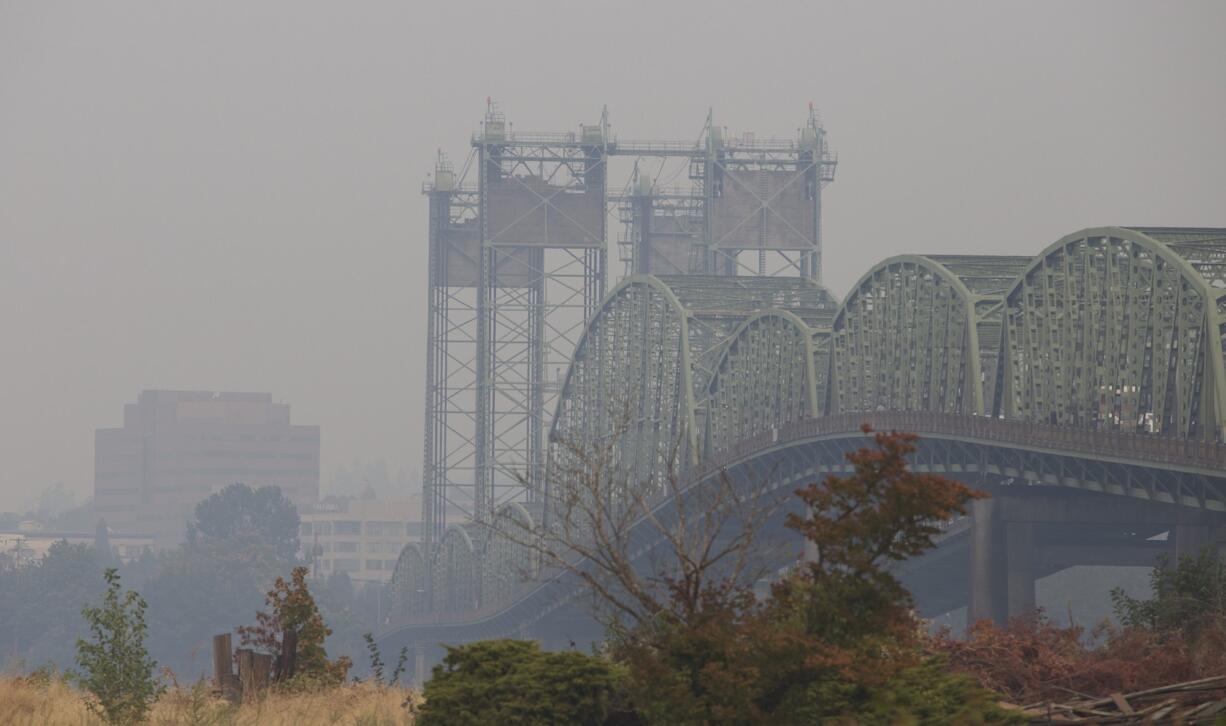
[(647, 546)]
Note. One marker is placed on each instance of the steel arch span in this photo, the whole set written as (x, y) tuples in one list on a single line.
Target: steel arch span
[(921, 333), (1096, 366), (770, 372), (456, 570), (409, 581), (641, 371), (1120, 329)]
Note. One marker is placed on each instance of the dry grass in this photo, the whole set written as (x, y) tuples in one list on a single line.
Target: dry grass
[(26, 702)]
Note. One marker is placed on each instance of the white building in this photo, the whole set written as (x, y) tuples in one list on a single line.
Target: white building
[(362, 537)]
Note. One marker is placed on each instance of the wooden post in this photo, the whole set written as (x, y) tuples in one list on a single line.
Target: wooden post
[(288, 661), (223, 659), (223, 669), (246, 673), (262, 669)]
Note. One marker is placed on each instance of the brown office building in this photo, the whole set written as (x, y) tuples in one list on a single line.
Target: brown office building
[(178, 447)]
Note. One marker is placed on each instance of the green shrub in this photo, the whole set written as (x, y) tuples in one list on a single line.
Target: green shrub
[(514, 683), (923, 695), (1188, 596), (116, 667)]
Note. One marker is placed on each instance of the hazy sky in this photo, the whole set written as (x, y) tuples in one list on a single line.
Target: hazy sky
[(226, 195)]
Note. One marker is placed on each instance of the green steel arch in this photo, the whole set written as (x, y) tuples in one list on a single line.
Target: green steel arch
[(771, 371), (1120, 329), (456, 571), (409, 581), (638, 379), (508, 560), (630, 376), (921, 333)]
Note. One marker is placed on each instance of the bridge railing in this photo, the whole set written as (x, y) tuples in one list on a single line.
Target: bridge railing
[(1144, 448)]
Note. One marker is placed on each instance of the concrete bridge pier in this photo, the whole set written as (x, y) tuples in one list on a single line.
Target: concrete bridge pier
[(421, 668), (1015, 538)]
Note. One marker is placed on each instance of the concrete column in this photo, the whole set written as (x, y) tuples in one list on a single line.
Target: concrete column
[(420, 675), (987, 582), (1019, 558), (1190, 539)]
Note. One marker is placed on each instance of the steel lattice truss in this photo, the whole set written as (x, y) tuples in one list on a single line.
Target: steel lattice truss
[(771, 371), (644, 365), (449, 460), (517, 265), (921, 334), (1110, 341), (1120, 329), (753, 207)]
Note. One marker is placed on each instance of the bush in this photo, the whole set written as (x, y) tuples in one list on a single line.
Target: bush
[(1187, 597), (512, 682), (1031, 659), (117, 668), (292, 609), (923, 694)]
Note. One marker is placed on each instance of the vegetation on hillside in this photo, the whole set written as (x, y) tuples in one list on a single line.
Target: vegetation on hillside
[(835, 641), (689, 643), (239, 541), (1179, 634)]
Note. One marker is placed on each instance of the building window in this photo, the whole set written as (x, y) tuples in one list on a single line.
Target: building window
[(383, 529), (304, 530), (345, 547), (324, 528), (347, 565), (374, 564), (347, 527)]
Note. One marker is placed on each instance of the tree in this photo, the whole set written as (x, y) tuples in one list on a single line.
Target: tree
[(40, 604), (116, 667), (1188, 597), (239, 512), (1031, 659), (842, 628), (1178, 634), (292, 610), (513, 682), (647, 549), (837, 638), (376, 662)]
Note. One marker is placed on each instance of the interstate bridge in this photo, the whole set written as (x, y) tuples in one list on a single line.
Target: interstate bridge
[(1082, 383)]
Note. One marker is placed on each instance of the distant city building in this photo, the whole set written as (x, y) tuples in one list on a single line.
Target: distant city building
[(25, 546), (362, 537), (178, 447)]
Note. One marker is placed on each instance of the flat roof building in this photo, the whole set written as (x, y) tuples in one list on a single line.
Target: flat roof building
[(178, 447), (362, 537)]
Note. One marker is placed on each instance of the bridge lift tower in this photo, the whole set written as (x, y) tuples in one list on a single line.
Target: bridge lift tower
[(517, 265), (753, 206)]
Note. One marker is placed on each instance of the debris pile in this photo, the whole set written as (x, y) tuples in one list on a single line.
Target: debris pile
[(1193, 702)]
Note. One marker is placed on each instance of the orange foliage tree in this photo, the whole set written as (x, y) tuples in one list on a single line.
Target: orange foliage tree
[(838, 637), (1178, 634), (291, 608)]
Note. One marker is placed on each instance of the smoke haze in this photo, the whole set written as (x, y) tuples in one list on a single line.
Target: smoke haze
[(225, 196)]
